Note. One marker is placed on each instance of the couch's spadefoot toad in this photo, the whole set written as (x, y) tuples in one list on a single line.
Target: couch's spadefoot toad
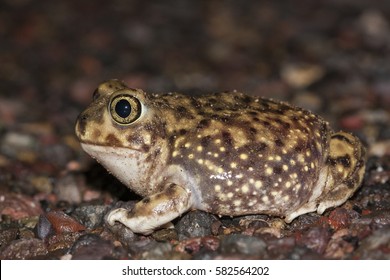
[(225, 153)]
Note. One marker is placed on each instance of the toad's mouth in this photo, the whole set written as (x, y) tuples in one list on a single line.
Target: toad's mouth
[(128, 165), (104, 148)]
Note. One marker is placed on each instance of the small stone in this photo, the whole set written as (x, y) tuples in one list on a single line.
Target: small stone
[(315, 238), (18, 206), (302, 75), (91, 247), (157, 251), (63, 223), (67, 188), (242, 244), (195, 224), (375, 247), (90, 216), (23, 249)]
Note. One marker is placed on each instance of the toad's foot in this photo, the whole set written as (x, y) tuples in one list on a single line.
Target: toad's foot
[(154, 211)]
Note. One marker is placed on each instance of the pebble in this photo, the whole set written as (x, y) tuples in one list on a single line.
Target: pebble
[(18, 206), (91, 247), (315, 238), (195, 224), (91, 216), (67, 188), (23, 249), (375, 246), (243, 245), (60, 223)]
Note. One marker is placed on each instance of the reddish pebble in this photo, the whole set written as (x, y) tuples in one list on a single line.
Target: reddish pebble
[(339, 218), (63, 223), (18, 206)]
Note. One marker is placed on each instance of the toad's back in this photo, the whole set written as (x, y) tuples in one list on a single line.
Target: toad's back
[(245, 154)]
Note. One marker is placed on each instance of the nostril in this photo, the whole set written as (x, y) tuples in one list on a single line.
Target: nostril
[(81, 124)]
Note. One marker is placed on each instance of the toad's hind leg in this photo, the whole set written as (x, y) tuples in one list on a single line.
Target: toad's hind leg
[(346, 164)]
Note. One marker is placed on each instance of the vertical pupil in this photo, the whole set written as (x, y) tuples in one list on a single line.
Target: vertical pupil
[(123, 108)]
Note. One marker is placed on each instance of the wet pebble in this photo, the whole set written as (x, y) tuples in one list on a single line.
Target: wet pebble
[(91, 247), (195, 224), (57, 222), (90, 216)]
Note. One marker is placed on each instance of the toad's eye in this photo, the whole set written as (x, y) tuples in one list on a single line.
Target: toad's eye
[(125, 109)]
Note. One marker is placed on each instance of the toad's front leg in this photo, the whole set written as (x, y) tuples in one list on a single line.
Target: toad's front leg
[(154, 211)]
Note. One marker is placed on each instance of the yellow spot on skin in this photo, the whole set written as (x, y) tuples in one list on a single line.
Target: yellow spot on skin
[(288, 184), (245, 188), (285, 167), (233, 165), (243, 156), (258, 184), (292, 162), (269, 171), (239, 176), (306, 168), (312, 165), (274, 193), (229, 183), (340, 169), (175, 153), (250, 169), (222, 149), (216, 155), (237, 202), (286, 198), (278, 158), (271, 158), (187, 145), (220, 170), (308, 153), (217, 141), (191, 156), (297, 187), (199, 148), (200, 161), (230, 195), (300, 158), (294, 175), (265, 199), (251, 180), (217, 188)]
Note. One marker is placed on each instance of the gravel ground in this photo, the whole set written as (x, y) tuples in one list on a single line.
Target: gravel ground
[(332, 57)]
